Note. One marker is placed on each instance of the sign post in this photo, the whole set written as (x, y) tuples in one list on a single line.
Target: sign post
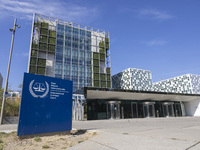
[(46, 105)]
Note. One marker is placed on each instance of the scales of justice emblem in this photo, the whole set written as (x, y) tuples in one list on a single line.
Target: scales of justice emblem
[(39, 89)]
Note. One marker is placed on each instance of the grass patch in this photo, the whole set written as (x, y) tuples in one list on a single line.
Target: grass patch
[(80, 141), (37, 139), (125, 133), (45, 146)]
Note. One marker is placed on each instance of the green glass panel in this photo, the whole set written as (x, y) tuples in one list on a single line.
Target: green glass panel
[(103, 77), (96, 83), (52, 48), (44, 25), (37, 24), (41, 62), (96, 76), (33, 61), (34, 46), (102, 50), (52, 41), (102, 56), (41, 70), (96, 55), (96, 62), (101, 44), (43, 39), (103, 83), (52, 33), (96, 69), (34, 53), (107, 46), (32, 69), (108, 70), (43, 46), (109, 84), (108, 77), (107, 39), (44, 31)]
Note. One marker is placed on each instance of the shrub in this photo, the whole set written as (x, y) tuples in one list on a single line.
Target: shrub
[(45, 146), (12, 107), (37, 139)]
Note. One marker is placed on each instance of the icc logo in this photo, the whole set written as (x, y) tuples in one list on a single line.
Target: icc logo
[(38, 89)]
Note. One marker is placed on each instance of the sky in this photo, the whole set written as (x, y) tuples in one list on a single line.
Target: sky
[(162, 36)]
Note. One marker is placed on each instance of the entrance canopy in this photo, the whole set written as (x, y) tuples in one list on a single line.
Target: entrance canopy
[(119, 94)]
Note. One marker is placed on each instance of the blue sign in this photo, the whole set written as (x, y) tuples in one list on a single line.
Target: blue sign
[(46, 105)]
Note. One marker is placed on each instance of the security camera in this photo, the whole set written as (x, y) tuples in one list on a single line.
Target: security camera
[(18, 26), (11, 30)]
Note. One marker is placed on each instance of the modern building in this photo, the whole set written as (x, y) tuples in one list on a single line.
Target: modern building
[(133, 79), (1, 81), (70, 51), (104, 103), (135, 96), (187, 84)]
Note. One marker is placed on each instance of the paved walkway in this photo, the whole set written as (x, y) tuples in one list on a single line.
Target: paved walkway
[(142, 134)]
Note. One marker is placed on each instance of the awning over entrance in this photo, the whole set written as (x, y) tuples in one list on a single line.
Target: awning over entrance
[(116, 94)]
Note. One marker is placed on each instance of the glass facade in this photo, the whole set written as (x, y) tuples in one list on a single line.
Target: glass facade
[(124, 109), (70, 51)]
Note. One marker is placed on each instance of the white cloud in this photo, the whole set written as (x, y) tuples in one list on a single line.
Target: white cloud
[(154, 14), (59, 9), (154, 42)]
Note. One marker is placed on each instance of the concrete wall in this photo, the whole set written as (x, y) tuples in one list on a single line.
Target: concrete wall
[(192, 108)]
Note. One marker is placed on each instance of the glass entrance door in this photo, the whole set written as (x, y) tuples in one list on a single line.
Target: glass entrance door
[(134, 110), (178, 110), (168, 109), (113, 110), (148, 109)]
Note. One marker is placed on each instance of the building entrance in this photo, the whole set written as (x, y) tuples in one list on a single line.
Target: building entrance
[(113, 109), (148, 109), (178, 110), (168, 109), (134, 110)]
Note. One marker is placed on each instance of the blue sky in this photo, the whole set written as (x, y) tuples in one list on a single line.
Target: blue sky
[(162, 36)]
